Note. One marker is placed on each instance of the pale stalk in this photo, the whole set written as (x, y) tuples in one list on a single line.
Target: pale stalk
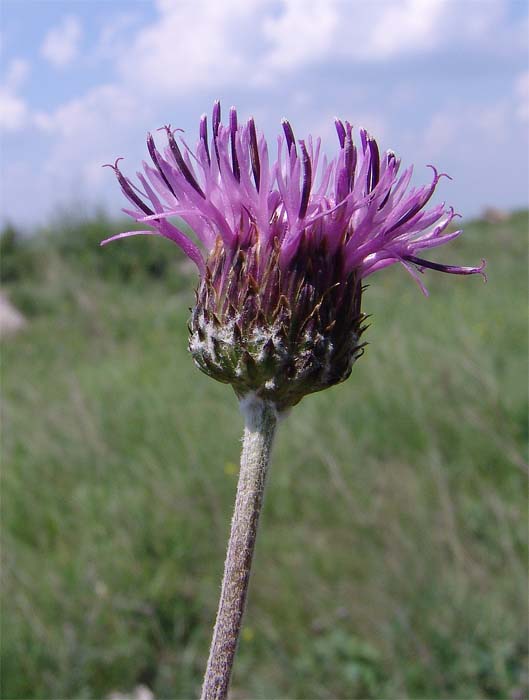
[(260, 425)]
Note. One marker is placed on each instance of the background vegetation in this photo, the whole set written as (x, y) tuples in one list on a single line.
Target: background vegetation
[(392, 559)]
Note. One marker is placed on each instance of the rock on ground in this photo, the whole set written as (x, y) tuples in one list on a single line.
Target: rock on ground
[(11, 320), (140, 692)]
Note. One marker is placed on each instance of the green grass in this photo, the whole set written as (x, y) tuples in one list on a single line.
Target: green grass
[(392, 555)]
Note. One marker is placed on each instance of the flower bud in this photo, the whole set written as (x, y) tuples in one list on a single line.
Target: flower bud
[(280, 335)]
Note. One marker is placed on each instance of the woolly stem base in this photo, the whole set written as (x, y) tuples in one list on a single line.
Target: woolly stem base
[(260, 425)]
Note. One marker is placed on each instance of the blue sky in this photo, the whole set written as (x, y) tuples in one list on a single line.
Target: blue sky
[(82, 81)]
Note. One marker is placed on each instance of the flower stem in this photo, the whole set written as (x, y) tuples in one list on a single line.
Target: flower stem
[(260, 424)]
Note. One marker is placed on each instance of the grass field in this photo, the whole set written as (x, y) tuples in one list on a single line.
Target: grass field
[(392, 556)]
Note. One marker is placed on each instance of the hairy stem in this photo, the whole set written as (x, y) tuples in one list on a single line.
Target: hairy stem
[(260, 424)]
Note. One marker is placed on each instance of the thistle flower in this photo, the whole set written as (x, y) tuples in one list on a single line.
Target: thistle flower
[(284, 246)]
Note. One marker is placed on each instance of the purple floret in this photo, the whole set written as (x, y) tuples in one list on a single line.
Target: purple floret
[(356, 204)]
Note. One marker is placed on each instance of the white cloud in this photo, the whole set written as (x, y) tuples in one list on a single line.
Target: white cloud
[(61, 44), (195, 45), (303, 32), (14, 111), (80, 136), (91, 129), (335, 30), (192, 45), (407, 27)]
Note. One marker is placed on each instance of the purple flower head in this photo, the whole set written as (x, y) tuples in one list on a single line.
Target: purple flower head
[(283, 245)]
